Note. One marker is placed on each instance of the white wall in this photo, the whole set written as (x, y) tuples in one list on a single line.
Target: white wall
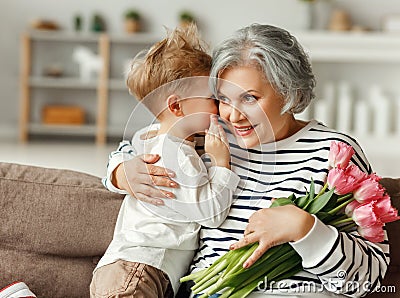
[(217, 19)]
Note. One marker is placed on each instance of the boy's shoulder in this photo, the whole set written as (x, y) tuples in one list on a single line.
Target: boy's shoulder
[(142, 133)]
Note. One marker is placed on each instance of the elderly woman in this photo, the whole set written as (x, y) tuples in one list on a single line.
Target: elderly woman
[(262, 78)]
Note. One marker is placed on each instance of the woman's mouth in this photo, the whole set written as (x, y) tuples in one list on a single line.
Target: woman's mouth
[(243, 130)]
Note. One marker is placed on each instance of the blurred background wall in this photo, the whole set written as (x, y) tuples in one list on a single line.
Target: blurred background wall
[(216, 20)]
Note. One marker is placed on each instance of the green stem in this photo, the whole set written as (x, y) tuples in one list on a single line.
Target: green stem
[(227, 293), (347, 228), (204, 279), (205, 285), (336, 209), (334, 219), (341, 221), (239, 275), (286, 267), (239, 264), (343, 198), (322, 191), (193, 275)]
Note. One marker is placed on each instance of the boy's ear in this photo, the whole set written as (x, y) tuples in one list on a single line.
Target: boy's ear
[(174, 106)]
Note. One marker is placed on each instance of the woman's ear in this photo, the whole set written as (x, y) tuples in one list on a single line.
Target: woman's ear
[(174, 106)]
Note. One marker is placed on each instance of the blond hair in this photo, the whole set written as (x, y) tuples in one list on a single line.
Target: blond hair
[(180, 55)]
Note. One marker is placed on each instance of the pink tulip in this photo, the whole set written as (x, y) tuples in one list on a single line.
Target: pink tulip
[(343, 182), (340, 154), (373, 233), (368, 190), (385, 211), (375, 177), (350, 208), (354, 171), (364, 215)]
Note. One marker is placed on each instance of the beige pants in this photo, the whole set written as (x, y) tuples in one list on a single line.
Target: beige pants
[(127, 279)]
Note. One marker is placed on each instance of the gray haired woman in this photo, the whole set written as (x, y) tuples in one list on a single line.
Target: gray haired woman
[(262, 78)]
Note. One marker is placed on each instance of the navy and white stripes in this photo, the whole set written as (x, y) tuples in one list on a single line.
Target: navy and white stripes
[(277, 170)]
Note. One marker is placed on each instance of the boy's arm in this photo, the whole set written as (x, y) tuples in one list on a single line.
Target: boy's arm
[(204, 196), (124, 152), (209, 193), (129, 173)]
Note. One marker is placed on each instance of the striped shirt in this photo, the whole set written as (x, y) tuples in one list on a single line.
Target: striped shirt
[(341, 263), (334, 262)]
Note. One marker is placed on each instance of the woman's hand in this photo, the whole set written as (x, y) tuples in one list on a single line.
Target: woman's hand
[(138, 176), (216, 144), (274, 226)]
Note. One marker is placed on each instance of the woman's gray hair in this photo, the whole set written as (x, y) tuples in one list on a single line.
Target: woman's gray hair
[(277, 54)]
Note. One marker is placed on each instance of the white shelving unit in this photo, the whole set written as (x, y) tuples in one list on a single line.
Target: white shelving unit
[(99, 94), (362, 59), (352, 47)]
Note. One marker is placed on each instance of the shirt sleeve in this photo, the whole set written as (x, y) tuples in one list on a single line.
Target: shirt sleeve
[(204, 196), (345, 263), (124, 152)]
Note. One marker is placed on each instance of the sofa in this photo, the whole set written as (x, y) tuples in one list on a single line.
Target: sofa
[(55, 224)]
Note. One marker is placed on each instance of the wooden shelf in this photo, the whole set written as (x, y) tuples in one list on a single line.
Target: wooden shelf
[(77, 130), (118, 84), (63, 36), (102, 85), (67, 83), (136, 38), (374, 47)]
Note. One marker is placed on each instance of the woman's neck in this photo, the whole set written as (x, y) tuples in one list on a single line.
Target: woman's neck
[(290, 127)]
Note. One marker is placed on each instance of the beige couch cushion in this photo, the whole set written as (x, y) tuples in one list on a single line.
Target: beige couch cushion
[(54, 226), (53, 211), (48, 276)]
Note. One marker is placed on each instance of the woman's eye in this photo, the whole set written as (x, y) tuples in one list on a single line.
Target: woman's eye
[(249, 98), (223, 99)]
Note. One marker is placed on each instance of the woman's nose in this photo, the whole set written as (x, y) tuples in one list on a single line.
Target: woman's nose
[(235, 115)]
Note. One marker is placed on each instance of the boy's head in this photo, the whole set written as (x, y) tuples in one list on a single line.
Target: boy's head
[(179, 55), (171, 80)]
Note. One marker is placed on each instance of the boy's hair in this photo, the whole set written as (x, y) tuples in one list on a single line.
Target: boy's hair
[(180, 55)]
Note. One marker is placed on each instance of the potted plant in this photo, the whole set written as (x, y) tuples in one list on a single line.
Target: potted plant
[(186, 18), (132, 21)]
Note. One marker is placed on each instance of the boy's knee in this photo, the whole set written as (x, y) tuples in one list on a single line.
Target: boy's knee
[(114, 279), (129, 279)]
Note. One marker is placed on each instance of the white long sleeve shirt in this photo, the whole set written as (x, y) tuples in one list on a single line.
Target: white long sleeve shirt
[(165, 237)]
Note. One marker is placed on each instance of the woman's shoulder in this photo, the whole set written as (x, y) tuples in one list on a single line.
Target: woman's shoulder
[(323, 133), (318, 130)]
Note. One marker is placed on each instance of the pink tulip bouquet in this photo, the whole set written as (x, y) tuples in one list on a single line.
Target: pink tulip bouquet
[(350, 200)]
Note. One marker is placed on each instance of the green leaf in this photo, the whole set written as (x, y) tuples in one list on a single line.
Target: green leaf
[(301, 202), (316, 205), (325, 217), (292, 197), (312, 189), (281, 202), (331, 204)]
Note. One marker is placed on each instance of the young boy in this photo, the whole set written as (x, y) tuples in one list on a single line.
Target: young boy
[(152, 245)]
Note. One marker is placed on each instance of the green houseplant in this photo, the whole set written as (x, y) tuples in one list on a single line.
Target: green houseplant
[(132, 21), (186, 18)]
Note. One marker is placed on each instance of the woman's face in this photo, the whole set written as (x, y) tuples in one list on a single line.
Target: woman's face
[(251, 107)]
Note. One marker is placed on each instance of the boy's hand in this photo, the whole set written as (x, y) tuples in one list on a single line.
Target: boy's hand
[(216, 144)]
